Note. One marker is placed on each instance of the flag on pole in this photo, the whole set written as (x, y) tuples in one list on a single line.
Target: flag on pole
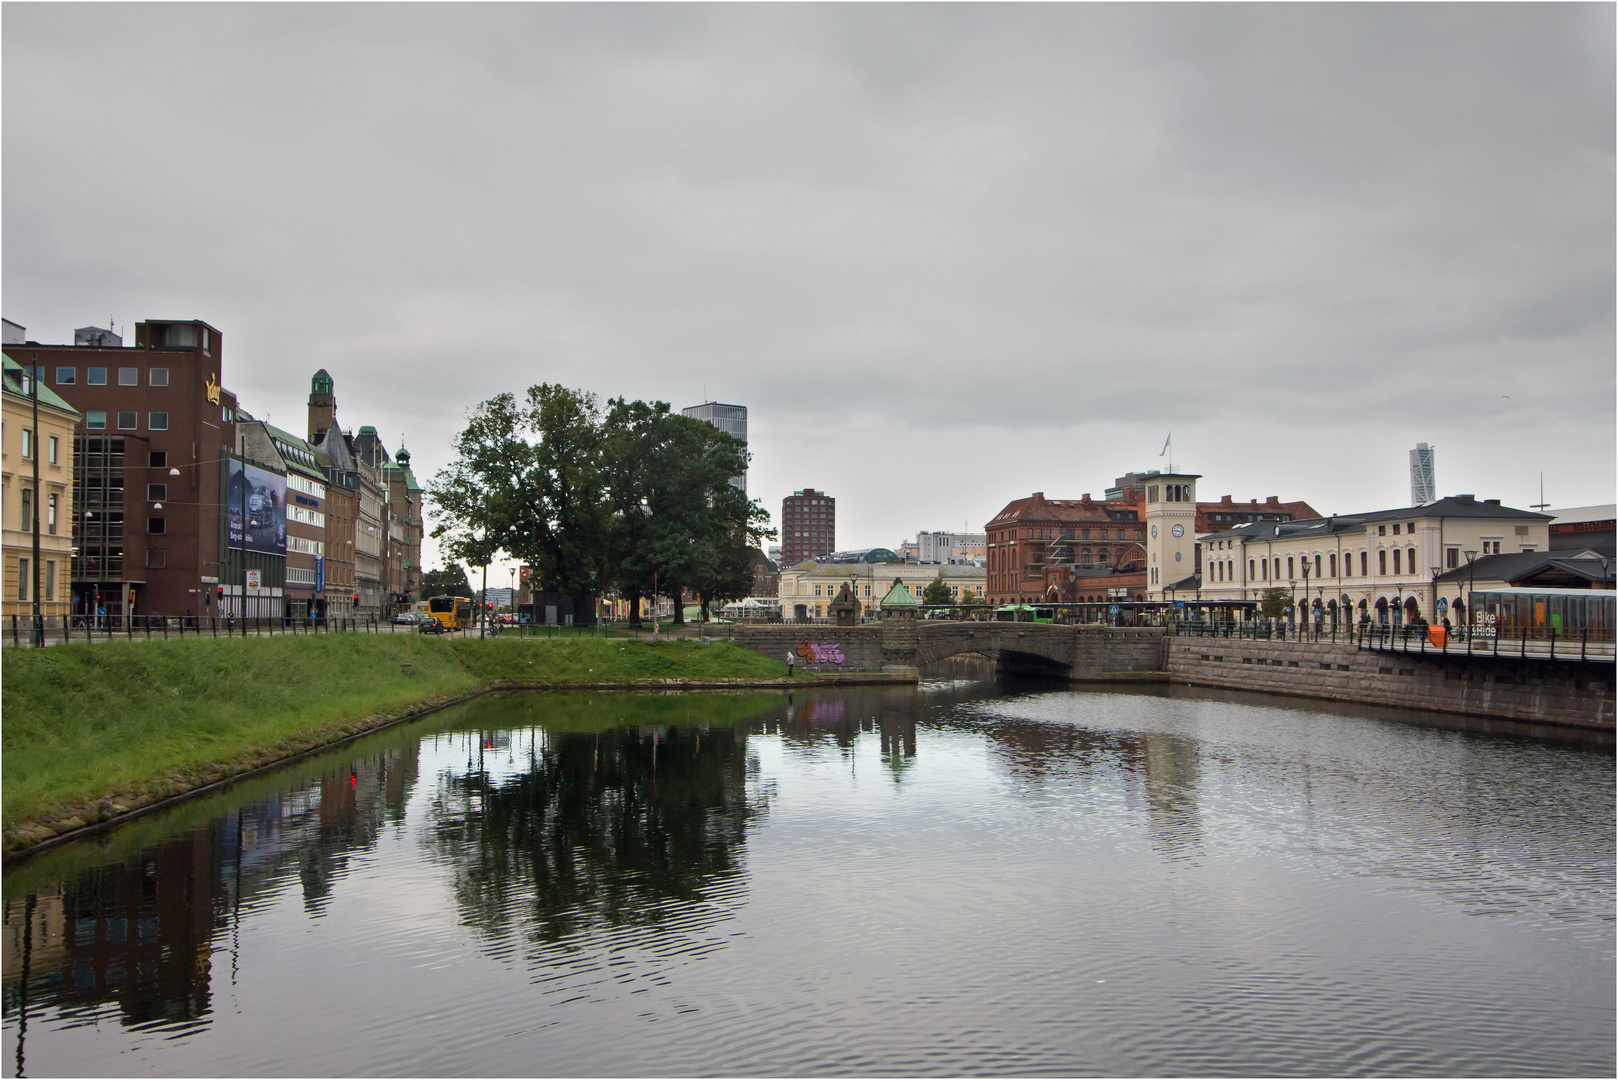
[(1166, 444)]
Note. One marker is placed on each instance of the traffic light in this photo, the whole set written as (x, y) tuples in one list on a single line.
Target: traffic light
[(221, 594), (131, 597), (356, 599)]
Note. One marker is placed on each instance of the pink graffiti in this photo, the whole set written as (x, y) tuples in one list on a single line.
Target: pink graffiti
[(821, 652)]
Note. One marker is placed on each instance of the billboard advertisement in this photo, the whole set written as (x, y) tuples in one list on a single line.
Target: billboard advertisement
[(262, 496)]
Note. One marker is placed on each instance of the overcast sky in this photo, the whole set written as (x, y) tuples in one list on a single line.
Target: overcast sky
[(946, 256)]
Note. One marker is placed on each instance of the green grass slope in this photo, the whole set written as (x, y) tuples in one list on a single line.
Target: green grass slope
[(83, 722)]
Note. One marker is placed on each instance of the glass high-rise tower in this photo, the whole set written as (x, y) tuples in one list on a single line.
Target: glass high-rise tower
[(731, 419)]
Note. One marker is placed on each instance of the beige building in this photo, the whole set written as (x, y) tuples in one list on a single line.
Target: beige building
[(1384, 565), (807, 589), (52, 445)]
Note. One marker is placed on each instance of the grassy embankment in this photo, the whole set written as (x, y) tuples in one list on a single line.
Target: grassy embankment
[(132, 723)]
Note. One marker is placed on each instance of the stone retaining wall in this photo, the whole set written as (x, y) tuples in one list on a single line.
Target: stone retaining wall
[(1576, 695)]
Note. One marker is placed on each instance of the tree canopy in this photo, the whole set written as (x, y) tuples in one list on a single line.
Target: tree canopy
[(634, 498), (449, 581)]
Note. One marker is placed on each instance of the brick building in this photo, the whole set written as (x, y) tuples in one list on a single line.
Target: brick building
[(1083, 550), (808, 526), (152, 449), (1034, 535)]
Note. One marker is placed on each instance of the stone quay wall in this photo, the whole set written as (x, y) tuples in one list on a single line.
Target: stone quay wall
[(1574, 695), (1080, 651), (859, 646)]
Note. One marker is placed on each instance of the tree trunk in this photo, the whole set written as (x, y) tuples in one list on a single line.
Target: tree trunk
[(705, 599), (634, 609), (678, 595)]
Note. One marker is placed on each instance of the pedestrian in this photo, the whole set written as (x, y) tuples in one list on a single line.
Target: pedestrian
[(792, 659)]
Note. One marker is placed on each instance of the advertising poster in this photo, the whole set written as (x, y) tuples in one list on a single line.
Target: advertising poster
[(262, 496)]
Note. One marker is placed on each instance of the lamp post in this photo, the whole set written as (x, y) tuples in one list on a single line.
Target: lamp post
[(1471, 619), (1305, 611), (1434, 608)]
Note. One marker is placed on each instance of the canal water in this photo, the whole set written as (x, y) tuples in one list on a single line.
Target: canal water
[(967, 877)]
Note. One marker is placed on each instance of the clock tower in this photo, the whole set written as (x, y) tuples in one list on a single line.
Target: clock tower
[(1171, 530)]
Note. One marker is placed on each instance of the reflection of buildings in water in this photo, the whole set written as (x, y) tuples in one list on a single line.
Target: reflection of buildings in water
[(1166, 765), (635, 826), (139, 933), (1168, 768), (898, 735)]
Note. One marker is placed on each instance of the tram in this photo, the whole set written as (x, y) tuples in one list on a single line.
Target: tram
[(1541, 613)]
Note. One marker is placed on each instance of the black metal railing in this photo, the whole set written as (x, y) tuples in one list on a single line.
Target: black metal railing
[(44, 630)]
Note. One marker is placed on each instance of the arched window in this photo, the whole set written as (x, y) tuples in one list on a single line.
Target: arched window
[(1290, 574), (1365, 563), (1331, 562), (1410, 560), (1382, 561), (1396, 561), (1317, 566), (1250, 566)]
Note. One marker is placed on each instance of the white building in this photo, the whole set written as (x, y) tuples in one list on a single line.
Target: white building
[(807, 589), (1383, 564), (948, 547)]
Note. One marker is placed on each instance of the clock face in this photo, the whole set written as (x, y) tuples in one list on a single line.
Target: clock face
[(1178, 530), (1154, 532)]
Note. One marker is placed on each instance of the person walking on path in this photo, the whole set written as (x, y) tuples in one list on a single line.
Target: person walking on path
[(792, 659)]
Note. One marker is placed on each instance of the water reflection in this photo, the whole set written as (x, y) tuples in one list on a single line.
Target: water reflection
[(633, 826), (136, 937), (955, 878)]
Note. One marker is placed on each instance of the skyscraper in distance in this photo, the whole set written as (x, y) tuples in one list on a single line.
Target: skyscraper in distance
[(731, 419), (1423, 485)]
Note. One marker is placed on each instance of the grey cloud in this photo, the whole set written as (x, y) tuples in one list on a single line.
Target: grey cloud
[(881, 227)]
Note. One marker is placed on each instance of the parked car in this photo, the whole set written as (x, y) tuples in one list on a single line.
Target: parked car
[(406, 618)]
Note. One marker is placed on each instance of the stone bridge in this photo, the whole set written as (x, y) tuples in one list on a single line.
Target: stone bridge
[(1074, 652)]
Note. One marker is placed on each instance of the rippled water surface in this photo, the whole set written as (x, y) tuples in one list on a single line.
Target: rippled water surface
[(961, 879)]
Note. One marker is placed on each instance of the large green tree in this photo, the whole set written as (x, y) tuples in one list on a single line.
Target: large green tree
[(635, 498), (937, 591), (526, 480)]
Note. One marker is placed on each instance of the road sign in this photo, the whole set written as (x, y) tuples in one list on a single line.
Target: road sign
[(1113, 610)]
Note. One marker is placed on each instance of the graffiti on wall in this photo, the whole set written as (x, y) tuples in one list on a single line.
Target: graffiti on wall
[(821, 652)]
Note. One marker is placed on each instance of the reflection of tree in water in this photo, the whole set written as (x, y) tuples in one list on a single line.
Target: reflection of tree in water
[(139, 931), (629, 827)]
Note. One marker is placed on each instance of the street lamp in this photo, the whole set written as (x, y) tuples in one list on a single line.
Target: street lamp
[(1434, 608), (1471, 619), (1305, 611)]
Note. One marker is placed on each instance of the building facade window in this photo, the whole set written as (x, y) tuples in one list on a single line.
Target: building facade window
[(1317, 566), (95, 376), (158, 376), (1396, 561), (1452, 558), (156, 526), (28, 509), (22, 579), (126, 420), (53, 450), (156, 492), (156, 558), (96, 420), (50, 513), (1290, 574), (157, 459), (1364, 563), (1410, 560), (50, 575), (1382, 561), (1331, 562), (157, 421), (128, 376), (65, 376)]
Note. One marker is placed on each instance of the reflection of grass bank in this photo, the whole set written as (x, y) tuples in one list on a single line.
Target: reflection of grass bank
[(132, 723), (561, 713)]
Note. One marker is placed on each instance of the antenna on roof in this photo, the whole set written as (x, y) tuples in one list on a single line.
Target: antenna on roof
[(1541, 504)]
